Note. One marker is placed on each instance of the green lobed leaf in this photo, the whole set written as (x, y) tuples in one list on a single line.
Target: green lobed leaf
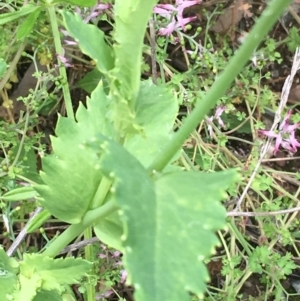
[(51, 273), (130, 181), (28, 288), (46, 295), (167, 240), (156, 111), (69, 176), (91, 41), (110, 230), (8, 276), (169, 229)]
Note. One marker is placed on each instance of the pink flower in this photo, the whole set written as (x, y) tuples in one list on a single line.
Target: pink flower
[(124, 275), (64, 60), (167, 31), (182, 4), (94, 12), (116, 254), (216, 116), (285, 136), (174, 13)]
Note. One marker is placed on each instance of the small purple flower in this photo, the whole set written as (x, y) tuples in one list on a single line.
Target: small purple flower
[(102, 256), (169, 12), (124, 275), (216, 116), (167, 31), (182, 4), (94, 12), (285, 136), (116, 254), (63, 59)]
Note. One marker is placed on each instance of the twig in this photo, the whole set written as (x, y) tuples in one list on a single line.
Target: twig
[(22, 234), (284, 97), (80, 244), (271, 213)]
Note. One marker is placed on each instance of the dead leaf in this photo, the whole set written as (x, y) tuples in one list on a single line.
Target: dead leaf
[(294, 96), (245, 8), (231, 16)]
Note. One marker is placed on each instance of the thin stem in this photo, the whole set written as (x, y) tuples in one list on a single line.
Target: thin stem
[(89, 255), (62, 69), (22, 234), (261, 28), (101, 192), (22, 139)]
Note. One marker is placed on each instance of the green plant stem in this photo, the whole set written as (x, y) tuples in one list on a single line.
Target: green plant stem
[(89, 255), (239, 237), (218, 89), (73, 231), (62, 69), (101, 192)]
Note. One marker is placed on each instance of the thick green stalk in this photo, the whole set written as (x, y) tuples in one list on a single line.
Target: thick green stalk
[(73, 231), (218, 89), (62, 69)]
